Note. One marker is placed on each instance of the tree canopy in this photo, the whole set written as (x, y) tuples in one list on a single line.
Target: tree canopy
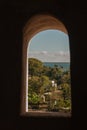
[(35, 67), (40, 79)]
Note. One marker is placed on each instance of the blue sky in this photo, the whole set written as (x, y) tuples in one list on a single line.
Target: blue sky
[(50, 46)]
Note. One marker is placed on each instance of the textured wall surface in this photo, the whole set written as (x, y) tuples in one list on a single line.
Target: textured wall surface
[(13, 17)]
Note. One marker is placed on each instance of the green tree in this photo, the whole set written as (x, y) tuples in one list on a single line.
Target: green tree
[(66, 91), (65, 77), (35, 67), (33, 98), (34, 84), (45, 84)]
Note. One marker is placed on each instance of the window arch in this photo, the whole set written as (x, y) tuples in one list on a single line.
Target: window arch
[(35, 25)]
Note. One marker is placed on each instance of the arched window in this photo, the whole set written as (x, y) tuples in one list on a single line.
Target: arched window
[(46, 67)]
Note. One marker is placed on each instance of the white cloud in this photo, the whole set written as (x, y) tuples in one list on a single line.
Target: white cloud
[(61, 53), (44, 56), (44, 52)]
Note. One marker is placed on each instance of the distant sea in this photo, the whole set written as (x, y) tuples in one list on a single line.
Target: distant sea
[(64, 65)]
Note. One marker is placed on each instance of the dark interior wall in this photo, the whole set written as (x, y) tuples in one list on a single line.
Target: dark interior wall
[(13, 17)]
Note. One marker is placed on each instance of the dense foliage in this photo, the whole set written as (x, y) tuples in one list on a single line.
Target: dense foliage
[(42, 92)]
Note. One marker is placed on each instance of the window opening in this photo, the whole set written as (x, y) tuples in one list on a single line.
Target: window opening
[(46, 87), (49, 87)]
